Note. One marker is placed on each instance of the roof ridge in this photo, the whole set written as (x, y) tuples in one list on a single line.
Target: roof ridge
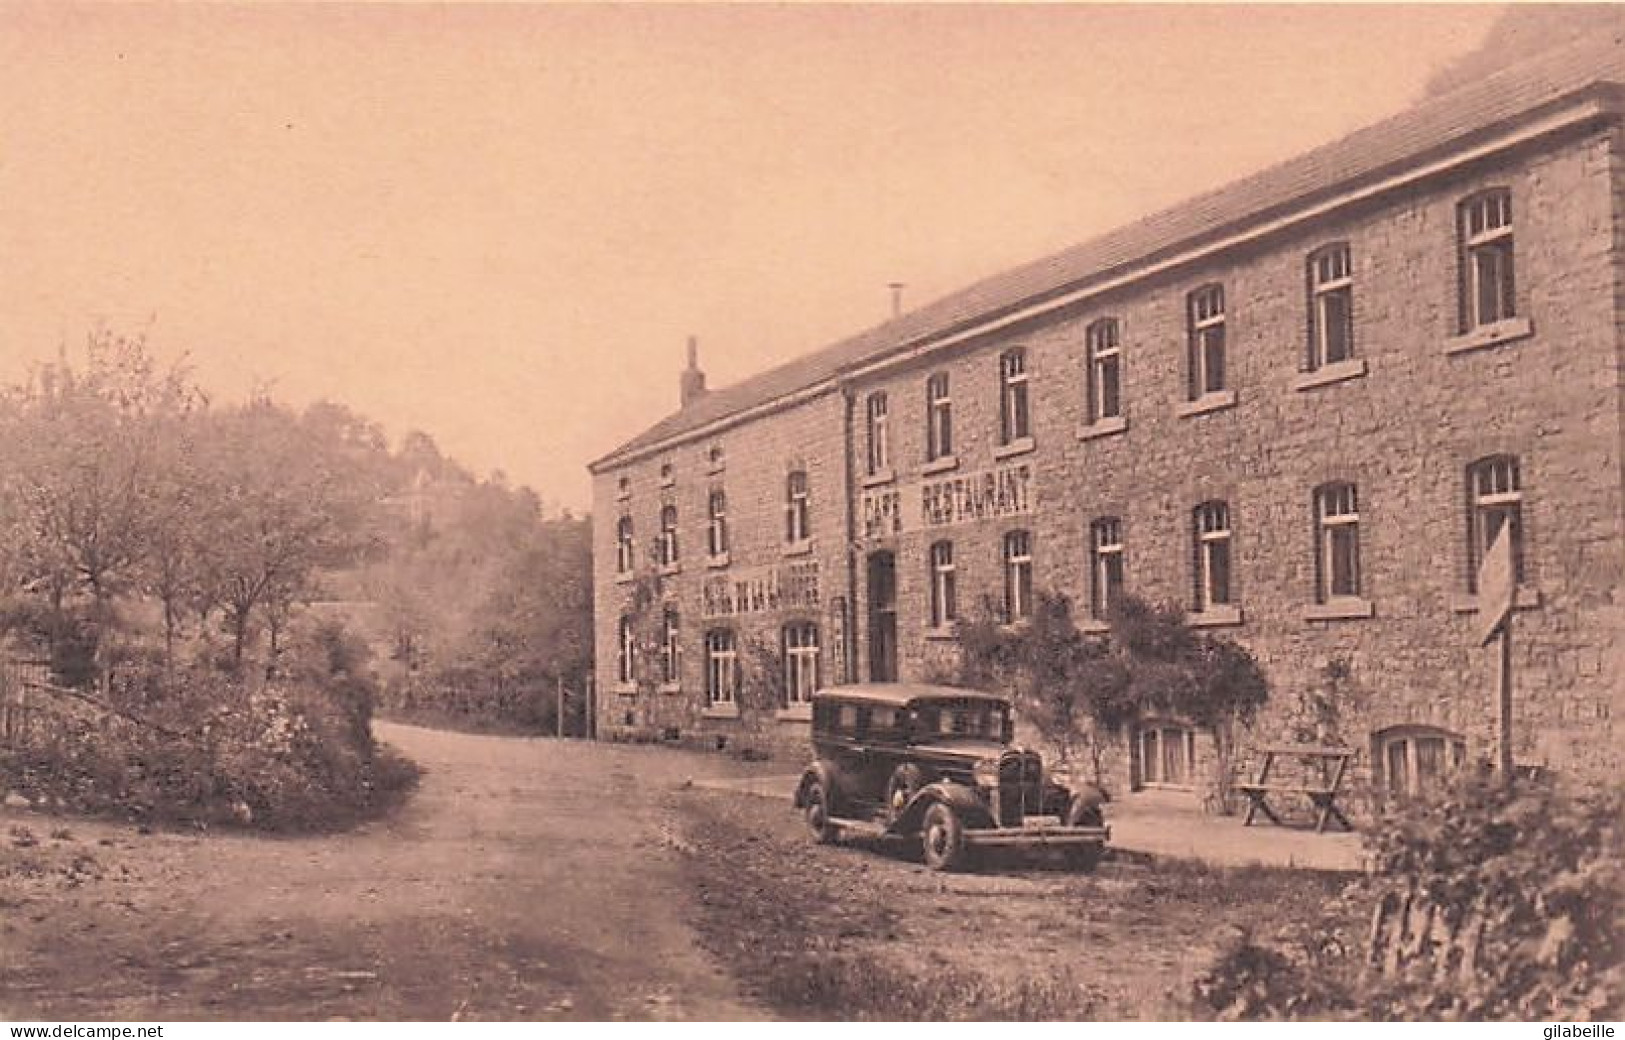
[(1429, 124)]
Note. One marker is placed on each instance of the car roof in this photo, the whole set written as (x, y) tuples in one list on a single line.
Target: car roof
[(898, 694)]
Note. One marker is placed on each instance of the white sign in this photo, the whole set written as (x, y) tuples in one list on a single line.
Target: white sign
[(944, 501), (1496, 585)]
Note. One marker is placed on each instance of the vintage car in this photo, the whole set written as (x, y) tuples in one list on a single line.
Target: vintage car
[(934, 764)]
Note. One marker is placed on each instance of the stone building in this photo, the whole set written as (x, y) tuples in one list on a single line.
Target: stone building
[(1302, 405)]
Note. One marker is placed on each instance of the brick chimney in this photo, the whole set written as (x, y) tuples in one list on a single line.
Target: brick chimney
[(692, 384)]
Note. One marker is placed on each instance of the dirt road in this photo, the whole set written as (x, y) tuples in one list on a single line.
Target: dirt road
[(527, 879)]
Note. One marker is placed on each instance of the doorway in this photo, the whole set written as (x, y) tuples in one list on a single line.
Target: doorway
[(883, 617)]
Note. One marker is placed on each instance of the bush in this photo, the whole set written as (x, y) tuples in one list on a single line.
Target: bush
[(1542, 869), (198, 747)]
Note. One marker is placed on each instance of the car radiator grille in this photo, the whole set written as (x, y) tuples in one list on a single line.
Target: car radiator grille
[(1021, 786)]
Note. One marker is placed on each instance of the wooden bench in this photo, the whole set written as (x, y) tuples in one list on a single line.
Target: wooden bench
[(1322, 769)]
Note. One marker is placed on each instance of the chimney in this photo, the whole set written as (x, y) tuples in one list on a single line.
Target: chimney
[(692, 384)]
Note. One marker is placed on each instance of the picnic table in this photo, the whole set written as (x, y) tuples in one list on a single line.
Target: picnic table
[(1319, 776)]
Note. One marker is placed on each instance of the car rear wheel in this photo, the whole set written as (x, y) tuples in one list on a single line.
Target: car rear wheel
[(942, 839), (818, 816)]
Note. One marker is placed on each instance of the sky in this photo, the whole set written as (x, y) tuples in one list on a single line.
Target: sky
[(499, 224)]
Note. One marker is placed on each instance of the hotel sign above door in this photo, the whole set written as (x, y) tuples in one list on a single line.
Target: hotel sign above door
[(956, 498)]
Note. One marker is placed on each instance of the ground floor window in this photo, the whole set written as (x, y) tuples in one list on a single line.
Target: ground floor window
[(1167, 755), (1413, 760), (721, 667), (800, 662)]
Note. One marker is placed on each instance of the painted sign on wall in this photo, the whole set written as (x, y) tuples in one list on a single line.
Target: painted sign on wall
[(956, 498), (758, 590)]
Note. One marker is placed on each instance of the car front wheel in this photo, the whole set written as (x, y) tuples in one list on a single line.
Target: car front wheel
[(818, 816), (942, 838)]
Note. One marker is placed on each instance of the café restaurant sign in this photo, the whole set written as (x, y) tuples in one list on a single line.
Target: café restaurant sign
[(758, 590), (957, 498)]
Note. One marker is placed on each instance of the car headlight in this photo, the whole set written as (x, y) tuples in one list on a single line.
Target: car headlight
[(986, 773)]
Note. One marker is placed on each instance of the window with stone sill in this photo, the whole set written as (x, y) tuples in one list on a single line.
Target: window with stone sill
[(1104, 372), (797, 509), (1106, 565), (939, 418), (1018, 576), (1210, 549), (1205, 358), (667, 546), (626, 653), (716, 531), (1487, 283), (944, 603), (624, 546), (721, 668), (878, 439), (671, 648), (1331, 306), (1015, 418), (801, 663)]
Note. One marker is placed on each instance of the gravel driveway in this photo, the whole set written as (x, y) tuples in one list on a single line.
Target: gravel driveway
[(526, 879)]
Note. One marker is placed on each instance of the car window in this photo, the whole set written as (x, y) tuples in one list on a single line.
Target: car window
[(847, 722)]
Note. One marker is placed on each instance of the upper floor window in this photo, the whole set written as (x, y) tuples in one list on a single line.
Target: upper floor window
[(1337, 545), (668, 476), (1018, 575), (623, 487), (626, 653), (939, 417), (879, 434), (721, 666), (668, 536), (800, 662), (797, 515), (1015, 420), (717, 528), (714, 458), (944, 607), (1331, 305), (1495, 503), (1210, 523), (1484, 227), (1106, 565), (1105, 374), (671, 647), (1205, 361), (623, 545)]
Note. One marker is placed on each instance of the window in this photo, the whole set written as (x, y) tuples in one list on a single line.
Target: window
[(623, 546), (1331, 306), (1337, 542), (1495, 501), (623, 487), (1015, 420), (944, 607), (671, 648), (796, 516), (721, 667), (1211, 529), (939, 418), (1105, 375), (714, 459), (716, 532), (879, 442), (1018, 576), (1205, 366), (1484, 227), (668, 536), (667, 476), (1106, 564), (800, 662), (626, 653), (1413, 760), (1167, 756)]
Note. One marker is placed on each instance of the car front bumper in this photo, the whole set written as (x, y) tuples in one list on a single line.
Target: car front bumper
[(1040, 835)]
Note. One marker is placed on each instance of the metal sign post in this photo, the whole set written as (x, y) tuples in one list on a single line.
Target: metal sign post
[(1497, 589)]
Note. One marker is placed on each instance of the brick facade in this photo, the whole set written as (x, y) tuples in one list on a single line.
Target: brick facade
[(1402, 421)]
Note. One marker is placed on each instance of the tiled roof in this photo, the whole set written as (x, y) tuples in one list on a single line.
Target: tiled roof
[(1435, 126)]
